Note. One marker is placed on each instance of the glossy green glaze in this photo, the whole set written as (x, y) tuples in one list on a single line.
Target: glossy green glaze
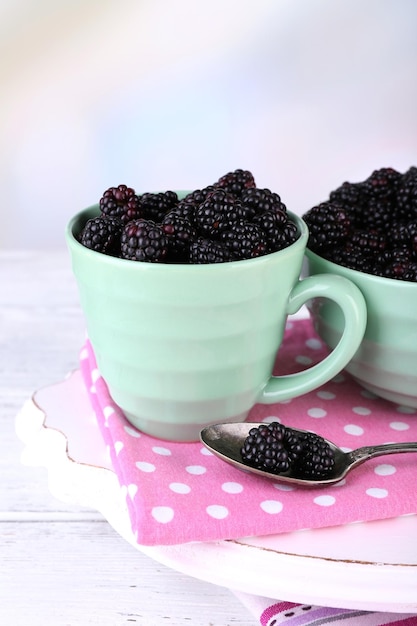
[(386, 361), (184, 346)]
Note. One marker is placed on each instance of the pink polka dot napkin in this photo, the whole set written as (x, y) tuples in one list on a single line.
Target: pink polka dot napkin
[(179, 492)]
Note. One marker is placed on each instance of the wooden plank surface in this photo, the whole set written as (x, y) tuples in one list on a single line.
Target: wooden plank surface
[(61, 564)]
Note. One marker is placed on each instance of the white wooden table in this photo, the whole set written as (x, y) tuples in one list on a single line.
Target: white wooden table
[(60, 564)]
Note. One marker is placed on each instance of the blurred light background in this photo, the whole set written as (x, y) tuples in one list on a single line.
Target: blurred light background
[(171, 94)]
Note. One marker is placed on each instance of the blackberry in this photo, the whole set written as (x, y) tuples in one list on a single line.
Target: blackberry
[(380, 188), (102, 234), (352, 196), (236, 182), (198, 196), (180, 234), (399, 234), (369, 242), (329, 225), (377, 215), (394, 263), (271, 447), (257, 201), (278, 449), (382, 182), (283, 237), (154, 206), (316, 459), (412, 231), (269, 221), (351, 257), (406, 196), (208, 251), (379, 234), (271, 226), (411, 173), (410, 273), (121, 202), (185, 209), (404, 234), (143, 240), (215, 214), (245, 240)]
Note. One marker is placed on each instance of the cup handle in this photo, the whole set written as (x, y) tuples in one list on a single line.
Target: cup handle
[(352, 303)]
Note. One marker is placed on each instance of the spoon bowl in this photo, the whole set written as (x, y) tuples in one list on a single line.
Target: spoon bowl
[(226, 441)]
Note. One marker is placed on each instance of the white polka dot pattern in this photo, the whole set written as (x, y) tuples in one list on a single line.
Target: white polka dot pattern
[(377, 492), (361, 410), (399, 426), (182, 492), (163, 514), (108, 411), (95, 375), (326, 395), (180, 488), (130, 490), (316, 412), (132, 431), (143, 466), (303, 359), (271, 506), (118, 446), (217, 511), (324, 500), (161, 450), (385, 469), (197, 470), (232, 487), (353, 429)]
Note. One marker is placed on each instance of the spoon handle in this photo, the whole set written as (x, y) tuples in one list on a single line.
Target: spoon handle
[(360, 455)]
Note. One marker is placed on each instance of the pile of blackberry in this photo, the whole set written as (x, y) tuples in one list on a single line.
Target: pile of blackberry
[(370, 226), (229, 220), (279, 449)]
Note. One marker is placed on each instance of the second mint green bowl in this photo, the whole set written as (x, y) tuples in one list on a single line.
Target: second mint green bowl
[(386, 361)]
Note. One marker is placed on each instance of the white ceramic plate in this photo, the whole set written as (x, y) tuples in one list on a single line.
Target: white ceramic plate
[(367, 566)]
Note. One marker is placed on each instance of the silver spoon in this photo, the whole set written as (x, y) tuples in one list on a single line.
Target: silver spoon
[(226, 440)]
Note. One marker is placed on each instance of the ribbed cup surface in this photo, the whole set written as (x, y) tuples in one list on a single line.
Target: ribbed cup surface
[(184, 344), (386, 361)]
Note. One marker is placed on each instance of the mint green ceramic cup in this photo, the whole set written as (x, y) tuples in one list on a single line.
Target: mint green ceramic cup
[(184, 346), (386, 360)]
